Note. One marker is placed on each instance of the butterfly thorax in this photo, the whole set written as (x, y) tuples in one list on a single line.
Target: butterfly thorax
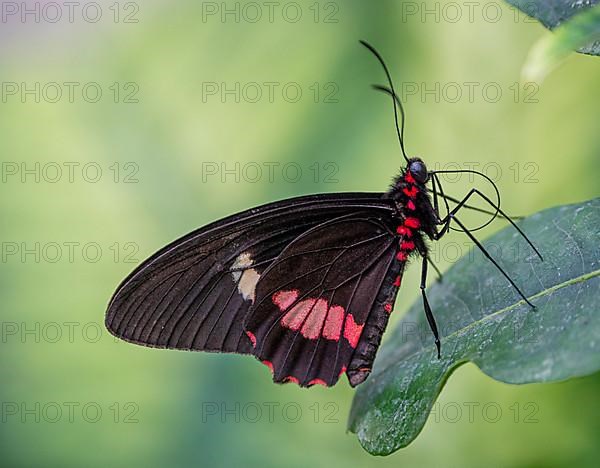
[(415, 213)]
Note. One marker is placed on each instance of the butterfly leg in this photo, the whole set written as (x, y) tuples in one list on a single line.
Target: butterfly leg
[(447, 219), (491, 259), (475, 208), (428, 312), (437, 270)]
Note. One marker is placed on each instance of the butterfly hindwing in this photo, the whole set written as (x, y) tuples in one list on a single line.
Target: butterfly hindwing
[(361, 363), (315, 300), (194, 293)]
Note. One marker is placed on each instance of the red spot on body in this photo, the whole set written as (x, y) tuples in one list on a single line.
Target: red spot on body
[(413, 223), (352, 330), (401, 256), (407, 245), (412, 192), (409, 178), (398, 281), (269, 364), (388, 308), (252, 338), (291, 379), (334, 322), (410, 205), (317, 382), (342, 371), (403, 230), (284, 299)]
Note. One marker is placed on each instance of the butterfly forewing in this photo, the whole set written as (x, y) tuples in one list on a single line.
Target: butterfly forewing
[(196, 292), (314, 301)]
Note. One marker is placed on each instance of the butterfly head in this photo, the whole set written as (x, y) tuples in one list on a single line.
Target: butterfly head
[(418, 170)]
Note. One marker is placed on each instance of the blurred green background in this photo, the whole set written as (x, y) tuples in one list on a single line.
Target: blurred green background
[(74, 396)]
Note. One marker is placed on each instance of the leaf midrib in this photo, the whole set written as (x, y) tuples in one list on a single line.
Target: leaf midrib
[(545, 292)]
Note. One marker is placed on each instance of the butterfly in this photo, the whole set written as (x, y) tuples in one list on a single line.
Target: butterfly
[(306, 285)]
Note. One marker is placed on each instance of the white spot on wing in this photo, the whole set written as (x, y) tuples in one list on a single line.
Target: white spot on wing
[(247, 285), (245, 277)]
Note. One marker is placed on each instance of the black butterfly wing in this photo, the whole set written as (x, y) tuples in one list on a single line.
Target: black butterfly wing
[(194, 293), (321, 306)]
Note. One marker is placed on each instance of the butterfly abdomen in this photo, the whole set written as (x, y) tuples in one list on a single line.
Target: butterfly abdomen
[(409, 197)]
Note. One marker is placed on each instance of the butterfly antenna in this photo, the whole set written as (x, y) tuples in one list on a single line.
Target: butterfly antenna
[(497, 210), (496, 205), (397, 102), (471, 207)]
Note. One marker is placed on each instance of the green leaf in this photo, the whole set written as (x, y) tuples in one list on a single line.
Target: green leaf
[(554, 48), (553, 13), (483, 320)]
